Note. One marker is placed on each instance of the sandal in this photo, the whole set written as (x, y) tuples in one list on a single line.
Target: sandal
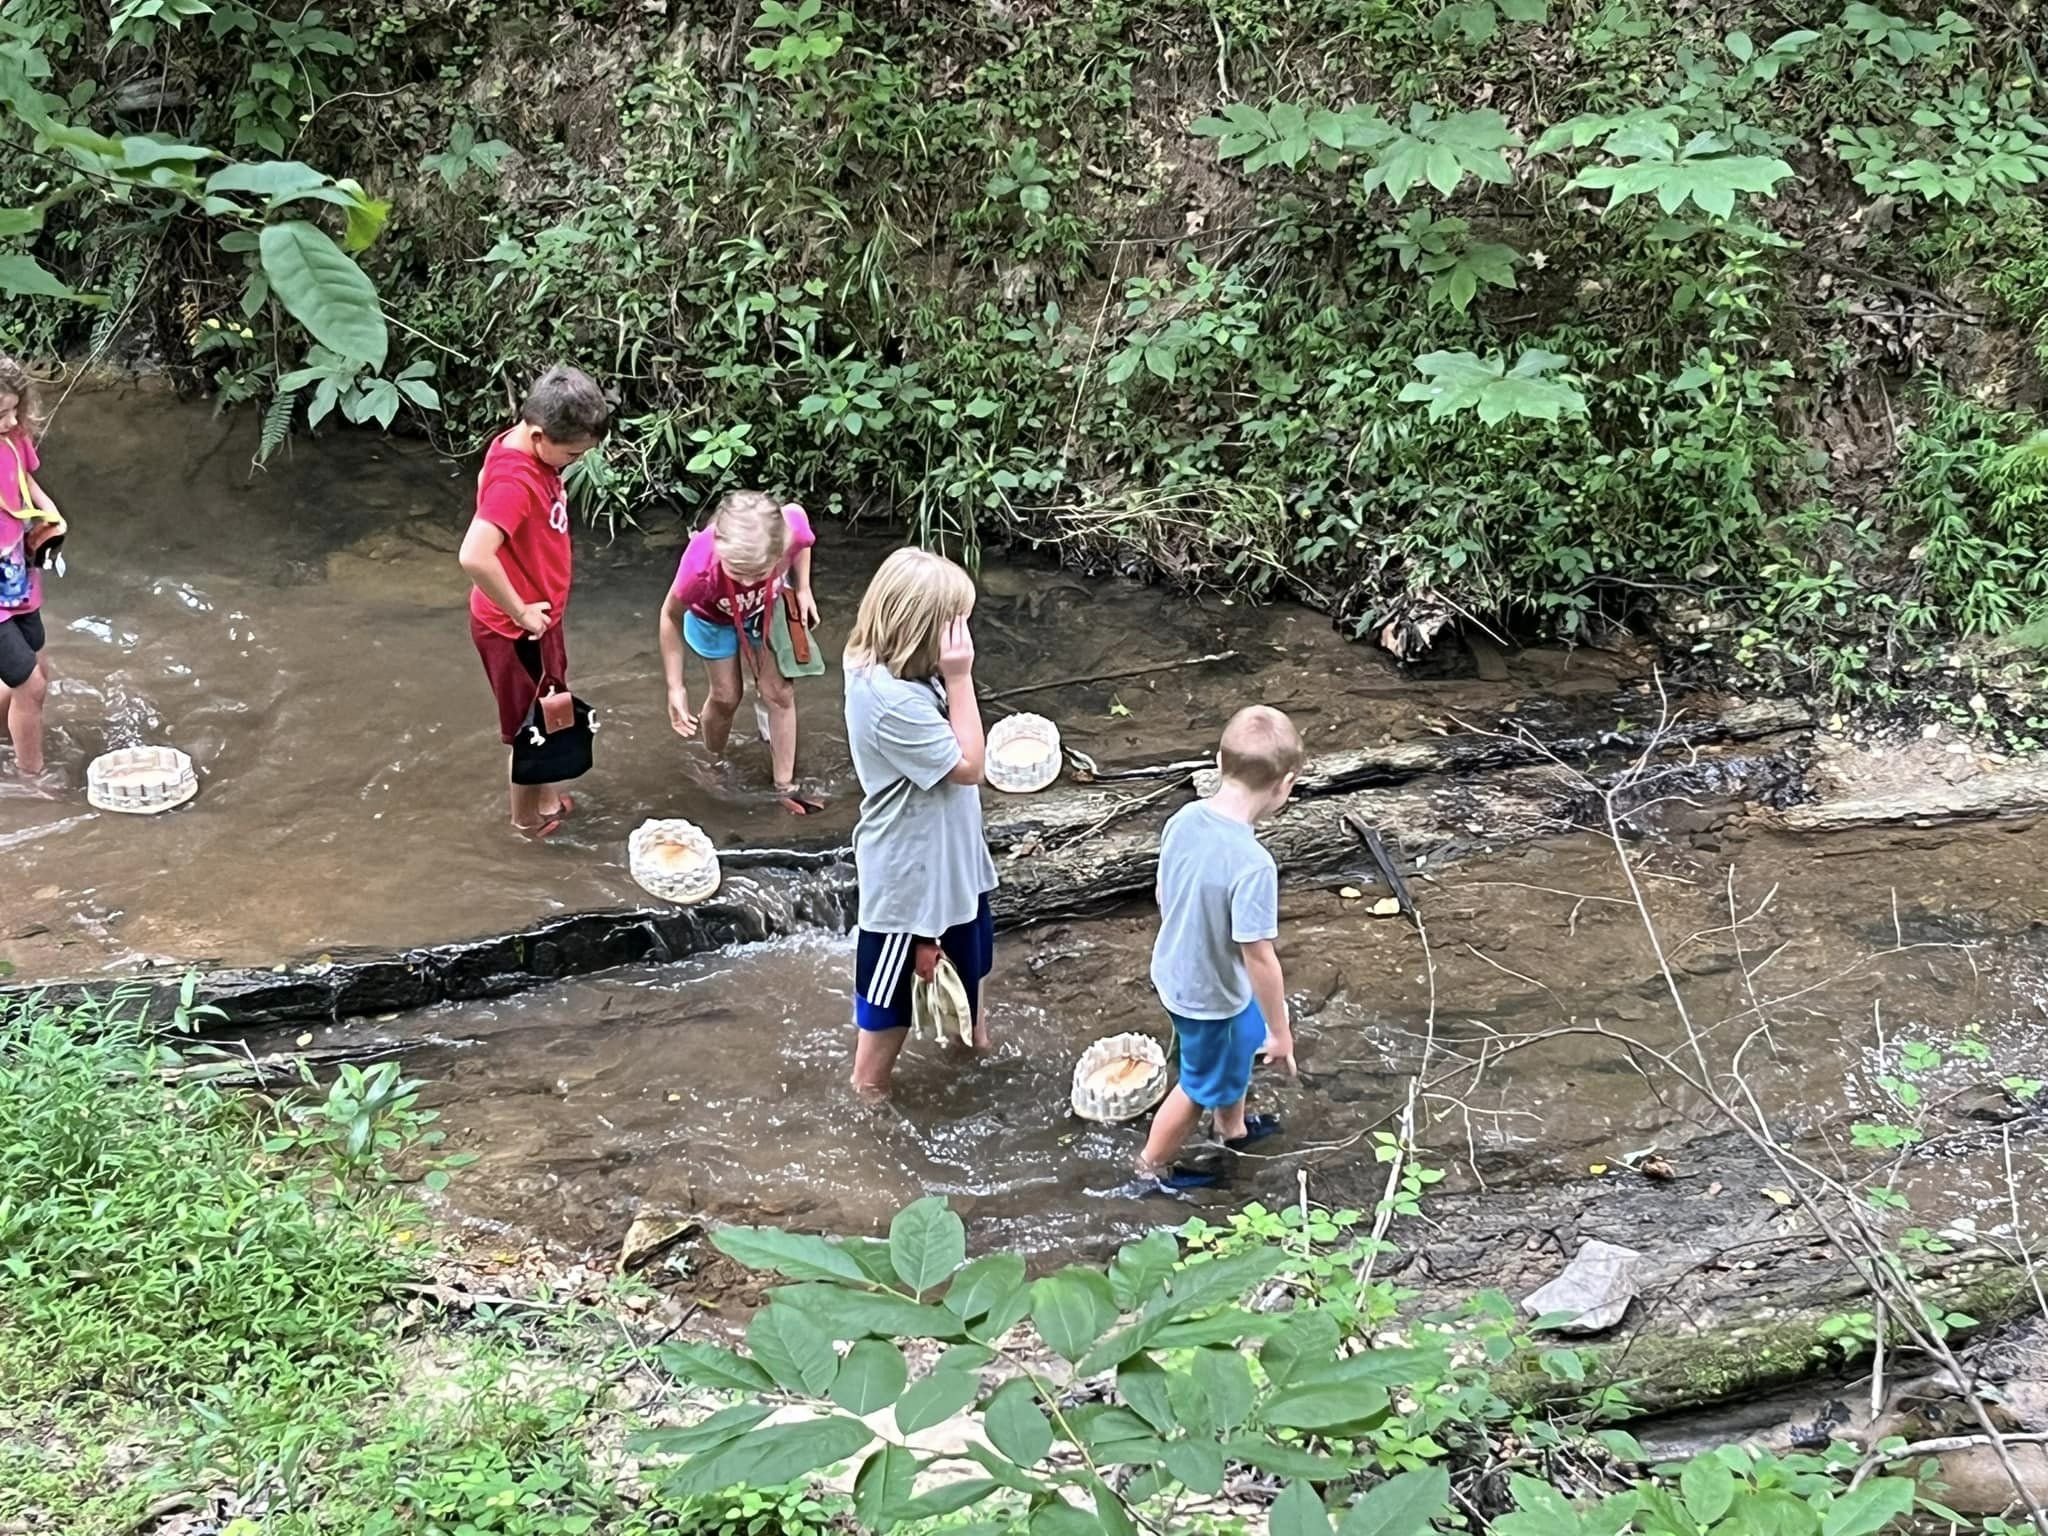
[(1256, 1128), (566, 809), (1177, 1180), (541, 830), (794, 801)]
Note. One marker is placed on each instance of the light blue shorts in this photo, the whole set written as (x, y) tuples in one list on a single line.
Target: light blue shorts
[(1216, 1056), (719, 641)]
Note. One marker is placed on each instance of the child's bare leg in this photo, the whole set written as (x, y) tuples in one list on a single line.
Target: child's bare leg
[(1230, 1121), (874, 1061), (780, 698), (1171, 1127), (721, 703), (527, 800), (24, 710)]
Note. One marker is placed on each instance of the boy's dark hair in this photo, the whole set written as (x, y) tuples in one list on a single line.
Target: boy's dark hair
[(567, 406), (1260, 747)]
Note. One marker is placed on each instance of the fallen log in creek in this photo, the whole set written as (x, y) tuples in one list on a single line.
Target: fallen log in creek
[(2011, 791), (1063, 853)]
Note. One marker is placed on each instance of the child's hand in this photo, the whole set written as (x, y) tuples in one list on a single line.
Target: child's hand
[(534, 618), (679, 714), (956, 651), (807, 608), (1278, 1051)]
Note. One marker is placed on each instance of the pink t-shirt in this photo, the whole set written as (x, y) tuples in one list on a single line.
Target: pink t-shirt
[(17, 454), (701, 582)]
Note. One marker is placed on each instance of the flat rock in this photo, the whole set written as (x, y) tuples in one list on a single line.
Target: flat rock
[(1597, 1287)]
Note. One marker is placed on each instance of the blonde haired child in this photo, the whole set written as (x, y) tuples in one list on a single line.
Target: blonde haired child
[(29, 520), (922, 863), (721, 604), (1214, 964)]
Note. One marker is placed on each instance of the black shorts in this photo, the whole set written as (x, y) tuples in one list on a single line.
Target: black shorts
[(21, 638)]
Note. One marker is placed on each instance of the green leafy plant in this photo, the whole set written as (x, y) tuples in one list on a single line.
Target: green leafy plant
[(466, 153), (1442, 250), (1458, 381)]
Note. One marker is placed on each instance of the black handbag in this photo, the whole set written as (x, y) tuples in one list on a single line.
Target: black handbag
[(554, 745)]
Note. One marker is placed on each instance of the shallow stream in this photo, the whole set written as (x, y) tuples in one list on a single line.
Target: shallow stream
[(300, 632)]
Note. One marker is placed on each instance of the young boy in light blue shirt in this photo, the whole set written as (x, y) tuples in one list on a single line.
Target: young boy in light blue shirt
[(1214, 964)]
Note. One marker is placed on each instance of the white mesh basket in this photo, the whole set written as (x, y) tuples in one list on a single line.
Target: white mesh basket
[(1119, 1078), (141, 781), (674, 860), (1023, 754)]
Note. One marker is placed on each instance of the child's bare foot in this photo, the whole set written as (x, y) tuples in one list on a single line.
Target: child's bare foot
[(563, 808), (797, 803)]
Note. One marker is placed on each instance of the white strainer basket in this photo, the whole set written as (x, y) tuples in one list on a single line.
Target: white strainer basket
[(141, 781), (1023, 754), (1119, 1078), (674, 860)]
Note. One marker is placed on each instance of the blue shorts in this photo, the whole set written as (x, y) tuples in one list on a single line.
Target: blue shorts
[(716, 641), (882, 969), (1216, 1055)]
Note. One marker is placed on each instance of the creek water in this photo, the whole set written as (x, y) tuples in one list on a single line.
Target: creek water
[(300, 632)]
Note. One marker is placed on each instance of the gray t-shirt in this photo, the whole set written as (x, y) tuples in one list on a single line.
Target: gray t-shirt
[(918, 850), (1218, 889)]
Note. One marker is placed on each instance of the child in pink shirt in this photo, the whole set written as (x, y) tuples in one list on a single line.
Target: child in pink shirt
[(28, 521), (721, 607)]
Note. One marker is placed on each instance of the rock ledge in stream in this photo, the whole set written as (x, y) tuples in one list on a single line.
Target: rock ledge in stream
[(1077, 851), (1731, 1289)]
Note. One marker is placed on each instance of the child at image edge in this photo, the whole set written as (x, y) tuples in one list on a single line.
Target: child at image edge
[(518, 554), (1214, 964), (722, 606), (919, 855), (28, 518)]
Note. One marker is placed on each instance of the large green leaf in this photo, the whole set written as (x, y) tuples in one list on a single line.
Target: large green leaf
[(726, 1425), (768, 1458), (849, 1314), (935, 1398), (1141, 1268), (870, 1378), (1197, 1463), (1708, 1488), (884, 1486), (1325, 1405), (1227, 1382), (326, 292), (794, 1349), (795, 1254), (985, 1284), (1071, 1309), (1061, 1519), (1142, 1384), (1404, 1505), (1015, 1424), (1863, 1511), (1308, 1344), (23, 275), (1287, 1460), (21, 221), (266, 178), (1298, 1512), (927, 1242), (706, 1365), (1540, 1510), (948, 1499)]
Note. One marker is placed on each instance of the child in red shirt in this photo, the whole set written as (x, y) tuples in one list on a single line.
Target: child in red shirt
[(517, 552)]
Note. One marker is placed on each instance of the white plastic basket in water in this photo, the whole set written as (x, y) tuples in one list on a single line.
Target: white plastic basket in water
[(1119, 1078), (141, 781), (673, 860), (1023, 754)]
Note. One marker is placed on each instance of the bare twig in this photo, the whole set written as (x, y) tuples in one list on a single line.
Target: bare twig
[(1116, 676)]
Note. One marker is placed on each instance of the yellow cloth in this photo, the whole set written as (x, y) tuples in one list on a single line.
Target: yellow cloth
[(938, 1007)]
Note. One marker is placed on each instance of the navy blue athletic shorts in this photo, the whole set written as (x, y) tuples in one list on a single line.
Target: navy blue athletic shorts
[(883, 969)]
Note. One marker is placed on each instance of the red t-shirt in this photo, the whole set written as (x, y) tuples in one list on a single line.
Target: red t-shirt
[(524, 498)]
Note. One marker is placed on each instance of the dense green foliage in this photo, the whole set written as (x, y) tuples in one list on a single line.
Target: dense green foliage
[(1418, 310)]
